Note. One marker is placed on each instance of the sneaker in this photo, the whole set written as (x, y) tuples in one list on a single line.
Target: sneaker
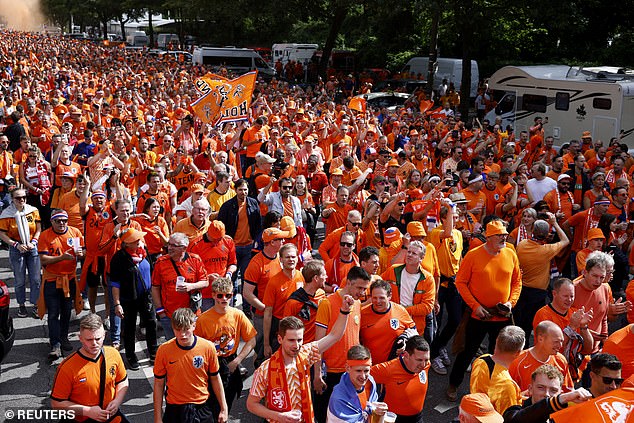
[(438, 366), (67, 345), (34, 312), (56, 352), (452, 393), (444, 356), (86, 304), (116, 346), (22, 311), (106, 323), (133, 363)]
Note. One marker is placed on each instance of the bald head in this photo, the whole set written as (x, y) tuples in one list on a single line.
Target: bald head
[(549, 339)]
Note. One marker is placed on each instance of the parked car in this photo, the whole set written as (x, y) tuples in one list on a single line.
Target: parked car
[(390, 100)]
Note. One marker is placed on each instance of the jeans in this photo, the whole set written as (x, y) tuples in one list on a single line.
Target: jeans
[(144, 308), (168, 331), (115, 321), (258, 324), (20, 262), (530, 300), (451, 302), (320, 401), (59, 310), (243, 257)]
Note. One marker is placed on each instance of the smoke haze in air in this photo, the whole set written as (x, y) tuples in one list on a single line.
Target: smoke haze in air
[(23, 15)]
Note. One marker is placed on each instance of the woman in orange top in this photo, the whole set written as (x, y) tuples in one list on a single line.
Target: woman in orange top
[(155, 228), (598, 188), (525, 228)]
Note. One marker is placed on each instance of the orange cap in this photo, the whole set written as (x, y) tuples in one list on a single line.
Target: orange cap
[(132, 235), (391, 235), (216, 229), (393, 162), (416, 228), (595, 233), (271, 234), (497, 227), (479, 406), (288, 225)]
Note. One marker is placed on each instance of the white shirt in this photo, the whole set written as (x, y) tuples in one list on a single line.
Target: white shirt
[(538, 189), (408, 284)]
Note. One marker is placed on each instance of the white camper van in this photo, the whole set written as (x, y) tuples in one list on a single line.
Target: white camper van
[(297, 52), (446, 68), (238, 60), (163, 41), (138, 39), (575, 99)]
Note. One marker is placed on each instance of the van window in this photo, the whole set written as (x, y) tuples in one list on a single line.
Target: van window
[(506, 104), (241, 62), (260, 64), (602, 103), (534, 103), (562, 101)]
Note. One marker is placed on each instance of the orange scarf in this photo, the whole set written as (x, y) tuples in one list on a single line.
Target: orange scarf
[(278, 395)]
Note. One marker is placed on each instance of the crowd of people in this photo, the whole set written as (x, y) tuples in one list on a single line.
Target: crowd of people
[(440, 232)]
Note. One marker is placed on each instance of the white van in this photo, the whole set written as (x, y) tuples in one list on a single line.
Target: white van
[(446, 68), (237, 60), (301, 53), (163, 41), (575, 99), (138, 39)]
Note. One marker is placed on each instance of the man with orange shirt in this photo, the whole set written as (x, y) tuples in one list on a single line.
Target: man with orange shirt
[(252, 140), (197, 224), (621, 344), (413, 287), (81, 394), (336, 214), (489, 281), (330, 247), (337, 267), (218, 252), (383, 322), (225, 327), (154, 191), (549, 339), (582, 222), (405, 380), (263, 266), (279, 288), (334, 360), (59, 247), (70, 203), (303, 303), (177, 279), (186, 371), (493, 192), (560, 200), (477, 200)]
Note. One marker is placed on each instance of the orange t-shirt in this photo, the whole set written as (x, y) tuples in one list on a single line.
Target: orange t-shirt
[(70, 203), (306, 313), (94, 223), (153, 243), (379, 330), (337, 219), (327, 314), (337, 270), (279, 288), (564, 204), (61, 168), (598, 300), (164, 276), (225, 330), (54, 244), (525, 364), (77, 379), (476, 200), (621, 344), (547, 312), (186, 370), (217, 257), (405, 392), (243, 233), (253, 134), (260, 270)]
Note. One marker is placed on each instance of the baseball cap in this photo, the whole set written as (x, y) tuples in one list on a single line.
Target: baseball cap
[(336, 171), (271, 234), (563, 176), (416, 228), (287, 224), (496, 227), (262, 158), (132, 235), (216, 229), (479, 406)]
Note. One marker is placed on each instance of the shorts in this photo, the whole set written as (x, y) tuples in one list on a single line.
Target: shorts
[(93, 280)]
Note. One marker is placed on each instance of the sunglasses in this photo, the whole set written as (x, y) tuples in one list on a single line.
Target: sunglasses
[(60, 221), (221, 296), (175, 245), (346, 244), (608, 380), (401, 203), (355, 224), (21, 197), (288, 187)]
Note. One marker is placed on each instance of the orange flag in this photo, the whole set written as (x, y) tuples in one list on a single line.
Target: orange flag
[(358, 104), (425, 105), (226, 101), (33, 58), (204, 83), (615, 406)]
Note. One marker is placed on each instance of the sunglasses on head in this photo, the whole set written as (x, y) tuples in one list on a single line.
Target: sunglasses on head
[(346, 244), (221, 296)]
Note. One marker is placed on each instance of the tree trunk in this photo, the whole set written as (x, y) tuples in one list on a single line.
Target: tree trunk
[(467, 36), (122, 23), (341, 12), (433, 49), (150, 28)]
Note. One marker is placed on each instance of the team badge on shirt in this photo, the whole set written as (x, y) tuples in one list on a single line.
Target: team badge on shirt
[(394, 323), (422, 376), (198, 361)]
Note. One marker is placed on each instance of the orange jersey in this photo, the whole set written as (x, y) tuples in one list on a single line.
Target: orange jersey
[(337, 270), (261, 268), (327, 314), (10, 226), (558, 202), (379, 330), (279, 288), (94, 223), (547, 312), (615, 406), (78, 378), (621, 344), (61, 168), (306, 311), (225, 330), (186, 370), (525, 364), (70, 203), (193, 232), (405, 391), (477, 202), (484, 279), (494, 380), (217, 256), (164, 276), (54, 244), (337, 219), (152, 241)]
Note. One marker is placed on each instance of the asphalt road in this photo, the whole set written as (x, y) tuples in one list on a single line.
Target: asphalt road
[(27, 375)]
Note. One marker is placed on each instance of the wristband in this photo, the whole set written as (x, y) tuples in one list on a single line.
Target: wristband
[(160, 310), (34, 241), (117, 305), (16, 244), (345, 313), (335, 288), (229, 275)]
